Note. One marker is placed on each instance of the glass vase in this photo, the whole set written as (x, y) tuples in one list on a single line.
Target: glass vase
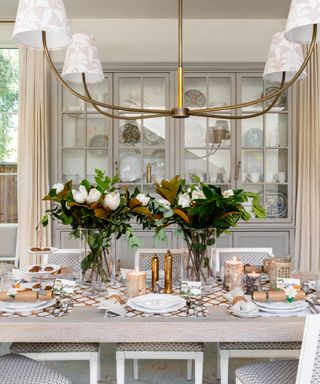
[(98, 263), (200, 265)]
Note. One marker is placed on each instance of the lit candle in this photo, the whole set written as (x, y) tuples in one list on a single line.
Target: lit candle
[(136, 283), (233, 274), (253, 282)]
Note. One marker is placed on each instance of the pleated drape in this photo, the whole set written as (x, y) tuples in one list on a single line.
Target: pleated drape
[(307, 238), (33, 149)]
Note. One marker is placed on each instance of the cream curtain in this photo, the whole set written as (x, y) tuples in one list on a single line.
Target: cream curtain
[(307, 239), (33, 150)]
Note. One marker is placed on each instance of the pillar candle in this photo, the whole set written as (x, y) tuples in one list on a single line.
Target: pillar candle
[(233, 274), (136, 283), (253, 282)]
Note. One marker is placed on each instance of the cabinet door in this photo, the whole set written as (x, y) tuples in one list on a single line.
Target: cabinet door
[(208, 143), (279, 241), (142, 144), (264, 150)]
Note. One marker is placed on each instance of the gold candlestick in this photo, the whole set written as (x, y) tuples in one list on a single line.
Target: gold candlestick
[(155, 272), (168, 273)]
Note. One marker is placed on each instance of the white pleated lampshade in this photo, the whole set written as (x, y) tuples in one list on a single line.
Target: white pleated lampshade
[(302, 15), (283, 56), (82, 57), (35, 16)]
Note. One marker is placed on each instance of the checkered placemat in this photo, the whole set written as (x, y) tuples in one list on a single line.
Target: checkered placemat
[(84, 297)]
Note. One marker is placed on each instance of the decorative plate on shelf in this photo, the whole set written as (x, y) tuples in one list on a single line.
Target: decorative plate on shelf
[(151, 138), (98, 145), (194, 99), (254, 138), (129, 133), (275, 204), (130, 167)]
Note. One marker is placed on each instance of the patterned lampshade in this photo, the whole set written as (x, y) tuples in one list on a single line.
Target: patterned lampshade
[(302, 15), (35, 16), (82, 57), (283, 56)]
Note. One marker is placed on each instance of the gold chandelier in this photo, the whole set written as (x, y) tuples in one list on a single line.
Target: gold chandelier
[(44, 24)]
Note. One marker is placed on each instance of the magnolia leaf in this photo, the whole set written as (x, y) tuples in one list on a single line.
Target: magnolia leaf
[(143, 210), (73, 204), (134, 203), (95, 205), (182, 214), (169, 189), (101, 213)]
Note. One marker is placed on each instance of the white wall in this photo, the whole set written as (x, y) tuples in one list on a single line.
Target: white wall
[(146, 40)]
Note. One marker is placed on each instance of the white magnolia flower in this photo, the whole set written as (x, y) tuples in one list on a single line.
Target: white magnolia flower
[(290, 292), (196, 194), (112, 200), (59, 187), (80, 196), (143, 198), (228, 193), (94, 195), (184, 200), (164, 202)]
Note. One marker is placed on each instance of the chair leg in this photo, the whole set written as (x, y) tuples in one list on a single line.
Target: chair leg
[(224, 366), (94, 370), (120, 367), (218, 362), (198, 369), (135, 369), (189, 370)]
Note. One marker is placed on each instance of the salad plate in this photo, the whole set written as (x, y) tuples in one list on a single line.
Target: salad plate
[(282, 307), (7, 307), (157, 301)]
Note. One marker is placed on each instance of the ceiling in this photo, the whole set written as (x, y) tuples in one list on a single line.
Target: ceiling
[(194, 9)]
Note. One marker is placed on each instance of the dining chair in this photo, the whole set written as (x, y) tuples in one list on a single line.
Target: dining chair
[(8, 242), (64, 351), (271, 350), (170, 351), (306, 370), (20, 369)]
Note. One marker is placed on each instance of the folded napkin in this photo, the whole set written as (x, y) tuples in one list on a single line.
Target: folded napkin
[(241, 306), (114, 306), (26, 295)]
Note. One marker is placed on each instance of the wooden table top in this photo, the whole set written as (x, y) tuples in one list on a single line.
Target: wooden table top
[(88, 324)]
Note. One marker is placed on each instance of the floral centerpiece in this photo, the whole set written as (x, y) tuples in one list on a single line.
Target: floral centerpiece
[(202, 212), (98, 212)]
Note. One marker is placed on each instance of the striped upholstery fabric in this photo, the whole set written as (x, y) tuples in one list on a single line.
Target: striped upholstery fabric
[(276, 372), (67, 257), (53, 347), (272, 346), (160, 347), (247, 256), (15, 369)]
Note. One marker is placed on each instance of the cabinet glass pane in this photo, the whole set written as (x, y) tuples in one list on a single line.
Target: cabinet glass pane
[(195, 164), (276, 166), (252, 166), (97, 131), (70, 102), (219, 91), (154, 132), (100, 92), (130, 91), (252, 132), (130, 166), (97, 159), (154, 93), (251, 89), (156, 158), (73, 132), (195, 92), (276, 201), (276, 130), (195, 132), (219, 167), (281, 104), (219, 133), (73, 165)]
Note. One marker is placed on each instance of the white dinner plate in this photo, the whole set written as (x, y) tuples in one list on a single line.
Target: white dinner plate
[(42, 272), (157, 301), (52, 249), (282, 307), (5, 307), (180, 305), (130, 167)]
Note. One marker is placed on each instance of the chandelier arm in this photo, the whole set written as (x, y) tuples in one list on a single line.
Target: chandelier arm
[(88, 100), (112, 115), (242, 117), (274, 94)]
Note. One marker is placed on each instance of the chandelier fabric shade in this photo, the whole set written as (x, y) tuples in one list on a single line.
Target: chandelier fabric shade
[(36, 16), (284, 56), (82, 57), (303, 15)]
